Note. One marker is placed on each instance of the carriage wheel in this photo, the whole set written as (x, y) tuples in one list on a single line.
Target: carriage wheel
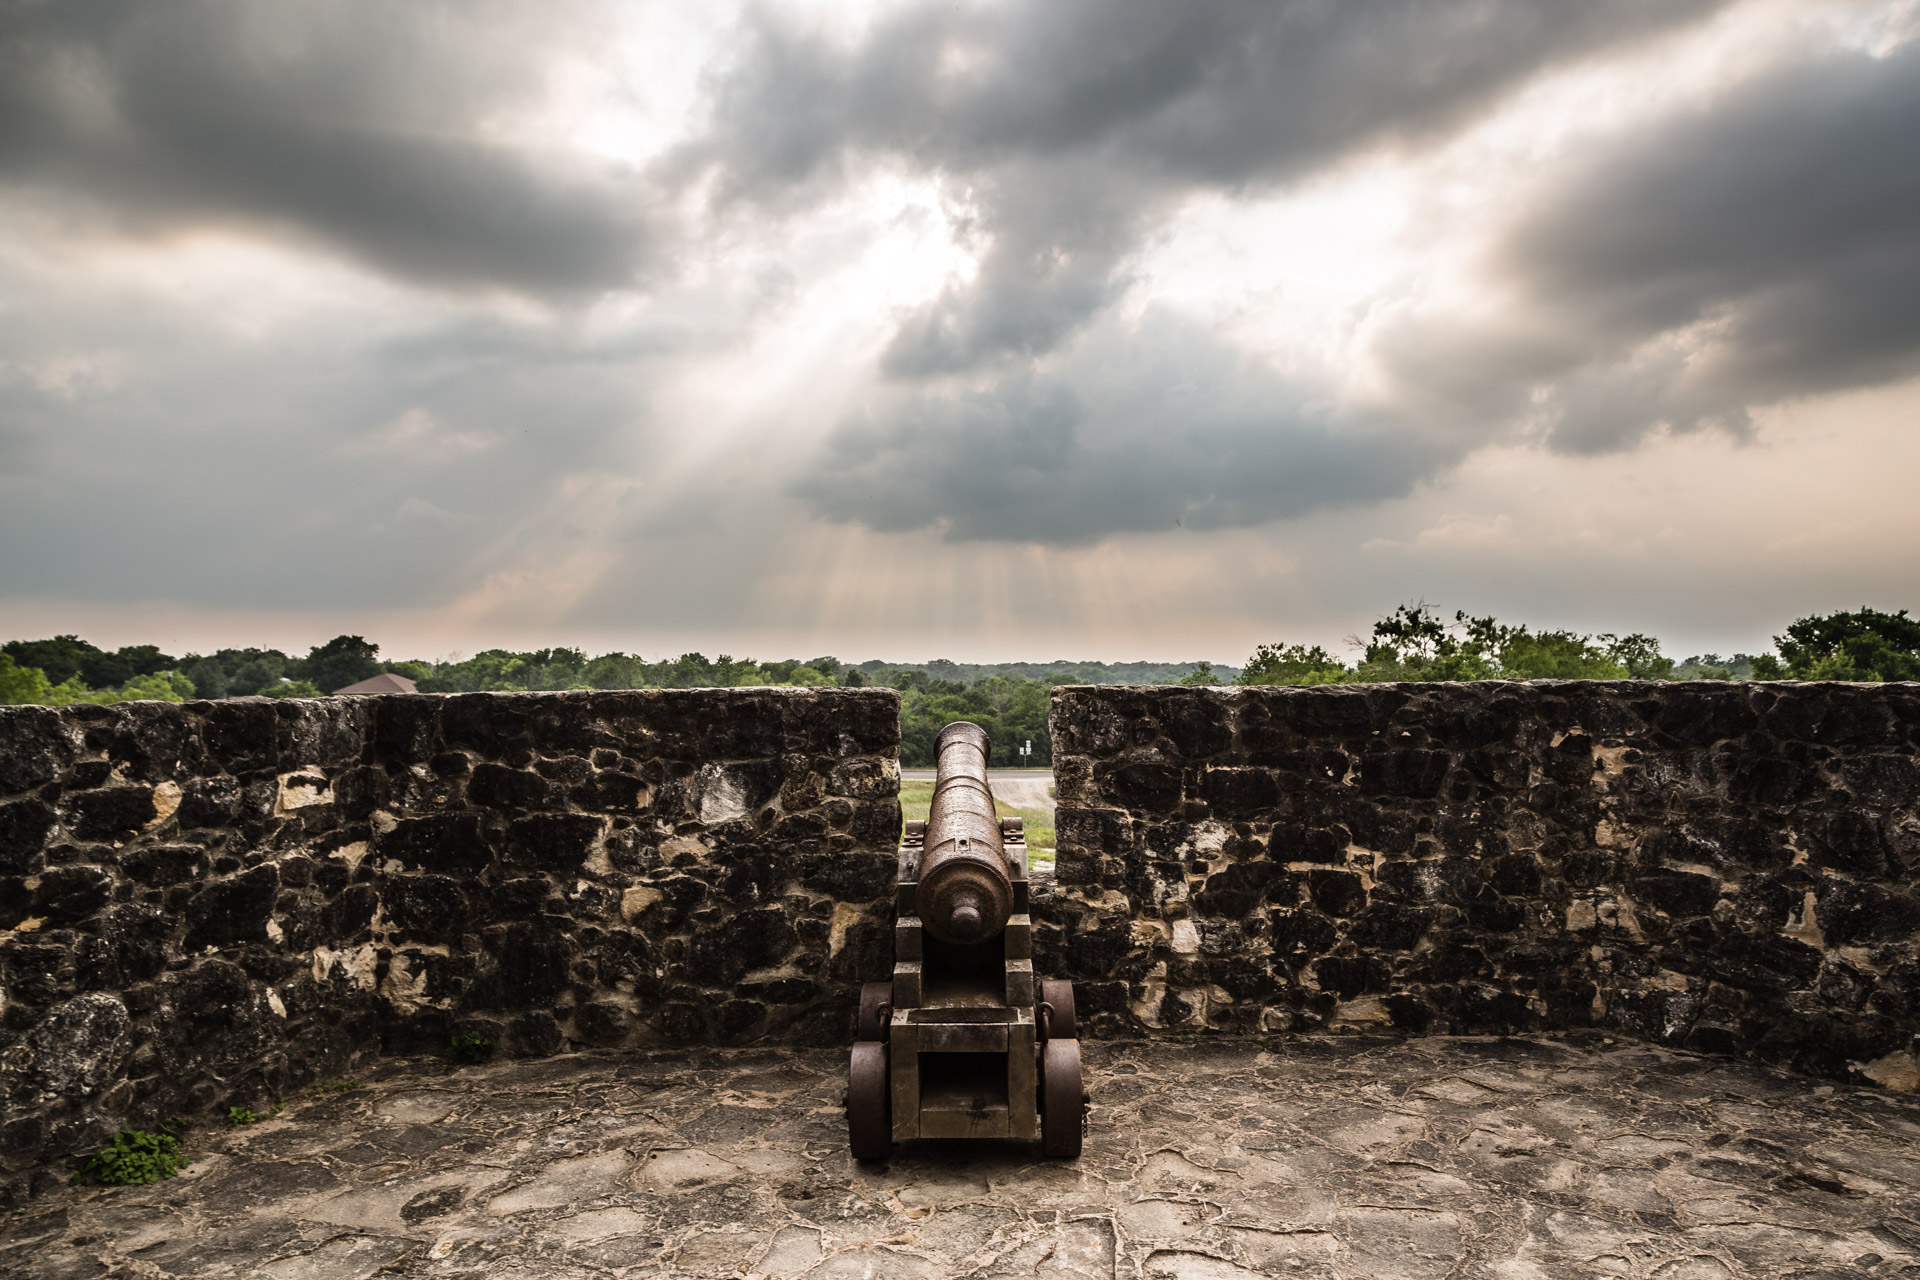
[(869, 1118), (1062, 1024), (876, 1000), (1063, 1102)]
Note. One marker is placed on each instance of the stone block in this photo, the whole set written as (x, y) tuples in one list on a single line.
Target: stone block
[(108, 813), (232, 910), (751, 939), (24, 825), (531, 968), (1403, 772), (451, 843), (556, 842), (1852, 914), (1240, 793), (1851, 841), (425, 908), (36, 743), (241, 735), (1677, 893), (491, 725), (164, 864), (1139, 786), (68, 895), (77, 1050), (1237, 890), (498, 787)]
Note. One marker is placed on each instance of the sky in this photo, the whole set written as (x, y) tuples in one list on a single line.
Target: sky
[(1100, 329)]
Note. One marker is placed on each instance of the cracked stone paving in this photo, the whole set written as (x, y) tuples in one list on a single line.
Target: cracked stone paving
[(1337, 1157)]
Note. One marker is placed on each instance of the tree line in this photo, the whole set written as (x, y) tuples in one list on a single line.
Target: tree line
[(1009, 700), (1415, 642), (67, 669)]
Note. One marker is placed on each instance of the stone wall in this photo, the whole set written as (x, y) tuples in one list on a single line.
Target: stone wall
[(219, 903), (1725, 867)]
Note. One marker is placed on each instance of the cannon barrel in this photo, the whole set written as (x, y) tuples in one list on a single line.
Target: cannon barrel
[(965, 893)]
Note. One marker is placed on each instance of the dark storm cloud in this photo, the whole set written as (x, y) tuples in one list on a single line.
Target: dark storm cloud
[(1150, 429), (1058, 231), (360, 125), (1764, 248), (1074, 121), (1760, 248)]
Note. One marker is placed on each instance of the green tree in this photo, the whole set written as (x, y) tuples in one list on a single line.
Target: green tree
[(1202, 674), (1522, 654), (146, 659), (1711, 666), (294, 689), (20, 685), (102, 670), (59, 658), (688, 671), (74, 690), (161, 686), (341, 661), (259, 671), (1012, 710), (1415, 643), (616, 671), (1639, 654), (208, 676), (1863, 645), (1412, 643), (1293, 664), (234, 673)]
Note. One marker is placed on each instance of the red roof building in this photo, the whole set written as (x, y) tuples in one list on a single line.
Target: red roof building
[(385, 682)]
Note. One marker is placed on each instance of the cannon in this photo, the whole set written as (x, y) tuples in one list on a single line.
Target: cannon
[(963, 1043)]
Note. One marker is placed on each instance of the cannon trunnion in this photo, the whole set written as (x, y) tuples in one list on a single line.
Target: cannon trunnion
[(963, 1042)]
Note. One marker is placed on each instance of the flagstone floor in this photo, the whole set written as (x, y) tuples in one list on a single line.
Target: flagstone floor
[(1516, 1159)]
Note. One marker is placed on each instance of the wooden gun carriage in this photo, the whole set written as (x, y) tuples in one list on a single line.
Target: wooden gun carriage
[(963, 1043)]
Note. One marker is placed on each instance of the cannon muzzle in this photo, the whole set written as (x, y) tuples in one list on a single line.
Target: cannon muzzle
[(965, 893)]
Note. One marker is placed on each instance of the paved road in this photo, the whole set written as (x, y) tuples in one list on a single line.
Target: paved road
[(1335, 1158), (1021, 788)]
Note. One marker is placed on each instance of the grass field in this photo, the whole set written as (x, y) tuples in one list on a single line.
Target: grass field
[(916, 796)]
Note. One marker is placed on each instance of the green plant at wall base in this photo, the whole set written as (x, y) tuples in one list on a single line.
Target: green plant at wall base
[(136, 1158), (326, 1088), (238, 1116), (468, 1047)]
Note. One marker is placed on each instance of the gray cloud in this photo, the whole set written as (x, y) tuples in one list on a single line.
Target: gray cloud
[(1145, 430), (1074, 122), (1764, 248), (1058, 233), (360, 125), (349, 459), (366, 451)]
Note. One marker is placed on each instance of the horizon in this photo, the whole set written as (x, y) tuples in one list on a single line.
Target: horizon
[(1350, 647)]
